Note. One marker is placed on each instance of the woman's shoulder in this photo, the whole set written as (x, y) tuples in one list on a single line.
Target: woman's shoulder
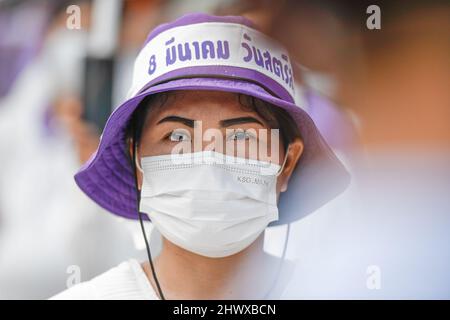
[(125, 281)]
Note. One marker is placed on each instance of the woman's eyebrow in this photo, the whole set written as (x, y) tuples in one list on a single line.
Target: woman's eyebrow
[(233, 121), (185, 121)]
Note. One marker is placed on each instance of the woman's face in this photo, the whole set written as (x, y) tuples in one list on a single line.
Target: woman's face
[(223, 121)]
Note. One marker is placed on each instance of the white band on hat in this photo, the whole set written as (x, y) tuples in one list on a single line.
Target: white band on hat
[(213, 44)]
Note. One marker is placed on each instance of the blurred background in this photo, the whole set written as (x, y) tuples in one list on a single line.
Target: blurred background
[(377, 86)]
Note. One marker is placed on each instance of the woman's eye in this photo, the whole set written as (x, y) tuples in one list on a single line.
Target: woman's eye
[(179, 136), (240, 135)]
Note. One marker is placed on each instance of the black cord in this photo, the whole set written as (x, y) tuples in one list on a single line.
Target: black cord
[(142, 222)]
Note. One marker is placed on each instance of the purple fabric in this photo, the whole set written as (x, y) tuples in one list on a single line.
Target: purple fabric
[(107, 178), (194, 18), (228, 72)]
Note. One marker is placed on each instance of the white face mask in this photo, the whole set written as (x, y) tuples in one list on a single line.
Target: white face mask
[(209, 203)]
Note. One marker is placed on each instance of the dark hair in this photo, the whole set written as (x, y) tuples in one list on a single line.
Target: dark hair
[(137, 121), (276, 117)]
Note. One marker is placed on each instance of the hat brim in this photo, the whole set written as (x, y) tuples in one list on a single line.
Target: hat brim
[(108, 179)]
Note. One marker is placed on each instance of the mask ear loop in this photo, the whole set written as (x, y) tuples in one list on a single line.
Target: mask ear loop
[(138, 167), (284, 162), (136, 160)]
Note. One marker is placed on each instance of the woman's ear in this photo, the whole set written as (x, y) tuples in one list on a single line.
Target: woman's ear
[(293, 155), (138, 172)]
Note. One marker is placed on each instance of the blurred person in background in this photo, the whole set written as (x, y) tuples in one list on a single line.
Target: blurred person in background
[(374, 68), (49, 231), (392, 242)]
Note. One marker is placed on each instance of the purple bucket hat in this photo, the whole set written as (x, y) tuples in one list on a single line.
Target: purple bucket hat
[(204, 52)]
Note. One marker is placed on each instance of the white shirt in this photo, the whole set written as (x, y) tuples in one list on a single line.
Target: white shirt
[(127, 281)]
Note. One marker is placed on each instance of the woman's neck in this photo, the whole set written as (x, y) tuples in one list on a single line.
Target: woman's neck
[(186, 275)]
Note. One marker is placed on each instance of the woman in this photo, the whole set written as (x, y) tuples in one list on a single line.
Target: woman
[(212, 149)]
